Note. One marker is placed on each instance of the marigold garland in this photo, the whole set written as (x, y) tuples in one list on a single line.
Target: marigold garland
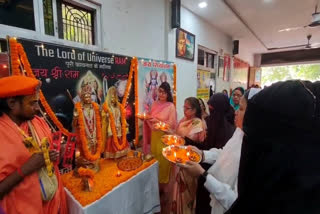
[(17, 49), (113, 128), (129, 82), (133, 68), (105, 107), (83, 172), (174, 84), (136, 98), (14, 54), (46, 156), (33, 147), (133, 71), (52, 115), (109, 170), (123, 127), (83, 139)]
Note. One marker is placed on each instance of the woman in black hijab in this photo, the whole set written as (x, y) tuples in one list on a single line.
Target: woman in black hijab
[(220, 128), (220, 122), (280, 158)]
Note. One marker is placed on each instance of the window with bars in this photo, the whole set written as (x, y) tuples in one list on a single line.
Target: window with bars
[(75, 23), (72, 20)]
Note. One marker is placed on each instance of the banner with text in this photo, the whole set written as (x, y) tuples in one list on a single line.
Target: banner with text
[(203, 84), (64, 69)]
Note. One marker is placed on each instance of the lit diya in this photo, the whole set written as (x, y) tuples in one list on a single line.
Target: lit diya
[(192, 156), (172, 140), (167, 150), (118, 174), (180, 154), (162, 126), (177, 159)]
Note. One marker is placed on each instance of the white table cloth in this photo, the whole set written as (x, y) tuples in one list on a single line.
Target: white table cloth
[(138, 195)]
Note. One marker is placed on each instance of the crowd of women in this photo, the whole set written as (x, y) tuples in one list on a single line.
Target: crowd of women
[(260, 151)]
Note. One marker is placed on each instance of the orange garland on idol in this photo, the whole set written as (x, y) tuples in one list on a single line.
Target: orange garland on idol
[(113, 128), (122, 110), (83, 139)]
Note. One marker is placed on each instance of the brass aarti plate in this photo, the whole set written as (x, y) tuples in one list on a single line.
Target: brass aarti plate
[(129, 163)]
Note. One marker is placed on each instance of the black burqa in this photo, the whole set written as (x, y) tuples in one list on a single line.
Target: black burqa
[(220, 122), (221, 127), (280, 157)]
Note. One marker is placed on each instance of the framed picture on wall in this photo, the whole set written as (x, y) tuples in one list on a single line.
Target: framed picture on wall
[(185, 44)]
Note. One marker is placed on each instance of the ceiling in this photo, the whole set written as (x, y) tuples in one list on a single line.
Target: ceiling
[(256, 22)]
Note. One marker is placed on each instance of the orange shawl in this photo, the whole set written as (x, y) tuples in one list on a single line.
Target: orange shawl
[(26, 196)]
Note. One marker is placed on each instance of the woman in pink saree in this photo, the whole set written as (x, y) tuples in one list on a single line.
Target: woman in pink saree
[(161, 110), (185, 187)]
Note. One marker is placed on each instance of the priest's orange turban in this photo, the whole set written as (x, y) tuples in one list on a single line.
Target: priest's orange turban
[(13, 86)]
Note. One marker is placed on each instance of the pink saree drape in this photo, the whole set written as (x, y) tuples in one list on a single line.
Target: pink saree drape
[(162, 111)]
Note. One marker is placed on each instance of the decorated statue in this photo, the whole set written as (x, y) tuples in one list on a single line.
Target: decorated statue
[(114, 126), (87, 123), (89, 80)]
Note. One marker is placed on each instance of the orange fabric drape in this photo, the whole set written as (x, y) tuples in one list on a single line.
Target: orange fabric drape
[(26, 196)]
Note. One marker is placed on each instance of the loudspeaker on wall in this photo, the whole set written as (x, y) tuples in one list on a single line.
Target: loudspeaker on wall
[(235, 47), (175, 13)]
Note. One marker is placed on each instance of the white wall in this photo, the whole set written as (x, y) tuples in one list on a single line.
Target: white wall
[(134, 27), (128, 27), (207, 36), (245, 51), (143, 28)]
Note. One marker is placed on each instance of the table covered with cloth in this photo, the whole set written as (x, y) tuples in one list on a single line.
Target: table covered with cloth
[(134, 192)]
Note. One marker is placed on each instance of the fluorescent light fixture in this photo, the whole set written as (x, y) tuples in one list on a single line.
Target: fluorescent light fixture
[(289, 29), (203, 4)]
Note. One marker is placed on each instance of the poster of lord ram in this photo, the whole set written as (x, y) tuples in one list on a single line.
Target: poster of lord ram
[(150, 76)]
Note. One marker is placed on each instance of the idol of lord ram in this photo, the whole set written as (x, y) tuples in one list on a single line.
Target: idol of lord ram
[(114, 127), (87, 123)]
